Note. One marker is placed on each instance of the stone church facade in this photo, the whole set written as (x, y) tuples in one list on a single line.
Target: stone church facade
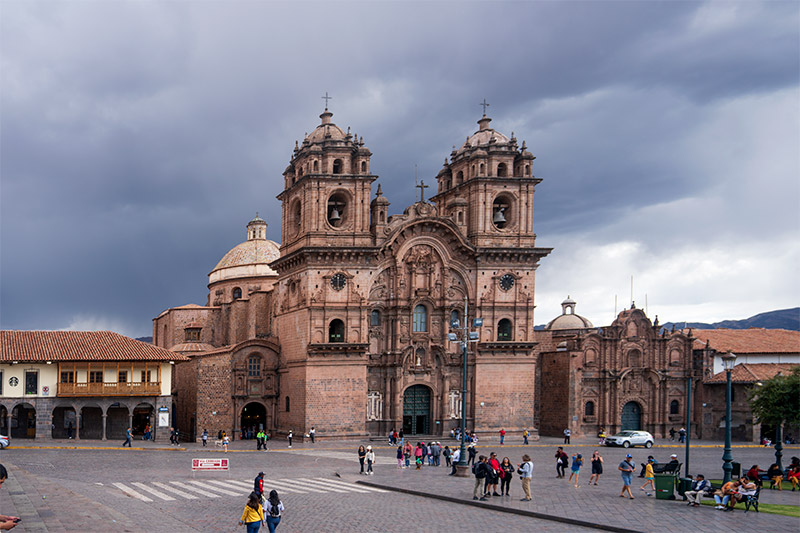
[(344, 325)]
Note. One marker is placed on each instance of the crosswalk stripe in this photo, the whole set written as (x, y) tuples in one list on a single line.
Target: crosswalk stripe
[(244, 484), (174, 490), (272, 484), (325, 485), (229, 485), (130, 492), (154, 492), (205, 486), (291, 487), (352, 486), (184, 486)]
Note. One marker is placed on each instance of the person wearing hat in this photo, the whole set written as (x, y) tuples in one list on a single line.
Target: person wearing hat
[(627, 468), (673, 464), (370, 460)]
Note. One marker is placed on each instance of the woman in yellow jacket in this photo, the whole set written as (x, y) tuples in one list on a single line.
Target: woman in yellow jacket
[(253, 515)]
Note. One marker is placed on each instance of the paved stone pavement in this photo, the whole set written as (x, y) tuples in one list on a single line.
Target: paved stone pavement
[(74, 490)]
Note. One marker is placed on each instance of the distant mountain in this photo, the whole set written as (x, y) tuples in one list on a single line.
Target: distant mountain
[(782, 319), (148, 340)]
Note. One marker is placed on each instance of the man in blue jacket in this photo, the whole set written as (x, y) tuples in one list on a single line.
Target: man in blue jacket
[(699, 487)]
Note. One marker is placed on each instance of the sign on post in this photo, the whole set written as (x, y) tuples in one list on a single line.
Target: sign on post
[(209, 464)]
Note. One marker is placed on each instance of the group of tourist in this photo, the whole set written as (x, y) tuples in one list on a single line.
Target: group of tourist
[(491, 472), (258, 511), (681, 434)]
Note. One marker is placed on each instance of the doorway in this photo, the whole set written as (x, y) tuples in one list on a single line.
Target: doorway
[(254, 417), (417, 410), (632, 416)]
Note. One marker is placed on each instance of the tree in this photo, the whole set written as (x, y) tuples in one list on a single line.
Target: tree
[(777, 401)]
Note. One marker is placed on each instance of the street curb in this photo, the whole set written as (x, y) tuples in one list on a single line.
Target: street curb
[(532, 514), (96, 448)]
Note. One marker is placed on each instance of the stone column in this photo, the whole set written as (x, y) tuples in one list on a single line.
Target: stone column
[(105, 416), (78, 420)]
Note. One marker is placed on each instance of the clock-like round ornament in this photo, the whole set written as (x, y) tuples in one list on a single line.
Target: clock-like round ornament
[(338, 281), (506, 282)]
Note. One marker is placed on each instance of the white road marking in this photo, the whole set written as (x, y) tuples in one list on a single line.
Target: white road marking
[(184, 486), (360, 488), (154, 492), (205, 486), (130, 492), (322, 485), (230, 485), (174, 490)]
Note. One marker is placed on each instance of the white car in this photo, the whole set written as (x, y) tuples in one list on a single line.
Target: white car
[(626, 439), (3, 442)]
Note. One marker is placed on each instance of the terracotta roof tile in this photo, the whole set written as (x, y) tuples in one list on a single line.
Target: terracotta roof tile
[(78, 346), (753, 340), (752, 372)]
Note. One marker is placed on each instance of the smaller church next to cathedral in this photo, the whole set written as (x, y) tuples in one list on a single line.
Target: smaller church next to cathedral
[(343, 326)]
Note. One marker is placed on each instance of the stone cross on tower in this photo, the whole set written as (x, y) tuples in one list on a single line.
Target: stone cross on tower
[(484, 104), (422, 188), (326, 98)]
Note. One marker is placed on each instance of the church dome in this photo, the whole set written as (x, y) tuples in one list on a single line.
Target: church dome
[(568, 318), (250, 258), (326, 131)]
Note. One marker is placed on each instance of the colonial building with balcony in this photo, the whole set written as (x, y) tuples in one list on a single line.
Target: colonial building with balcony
[(83, 385)]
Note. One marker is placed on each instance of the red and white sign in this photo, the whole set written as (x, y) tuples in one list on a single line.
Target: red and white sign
[(209, 464)]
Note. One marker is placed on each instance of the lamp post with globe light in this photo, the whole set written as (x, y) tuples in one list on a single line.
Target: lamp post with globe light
[(728, 361), (467, 336)]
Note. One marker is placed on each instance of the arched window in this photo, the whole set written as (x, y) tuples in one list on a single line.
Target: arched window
[(501, 170), (589, 409), (460, 217), (375, 318), (336, 331), (254, 366), (420, 319), (287, 404), (191, 334), (337, 166), (504, 330), (363, 166), (527, 170), (481, 169), (460, 177), (237, 293), (316, 166), (673, 407), (455, 319)]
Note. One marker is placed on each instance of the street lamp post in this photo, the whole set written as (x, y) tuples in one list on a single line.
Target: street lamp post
[(728, 361), (466, 337)]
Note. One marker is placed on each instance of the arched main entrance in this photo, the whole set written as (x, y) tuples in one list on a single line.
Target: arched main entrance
[(417, 410), (254, 417), (142, 417), (23, 421), (632, 416)]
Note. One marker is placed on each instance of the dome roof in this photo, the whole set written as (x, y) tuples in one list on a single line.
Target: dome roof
[(250, 252), (484, 137), (327, 130), (568, 318), (191, 347)]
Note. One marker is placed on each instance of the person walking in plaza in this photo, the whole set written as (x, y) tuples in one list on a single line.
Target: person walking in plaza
[(597, 467), (672, 434), (699, 488), (525, 471), (649, 478), (567, 435), (204, 437), (259, 437), (493, 477), (418, 458), (253, 514), (146, 435), (508, 474), (258, 486), (274, 511), (502, 436), (525, 436), (562, 460), (370, 460), (437, 454), (479, 469), (408, 451), (127, 438), (577, 463), (289, 437), (472, 452), (225, 441), (447, 452), (362, 456), (682, 435), (627, 468), (312, 434), (400, 457)]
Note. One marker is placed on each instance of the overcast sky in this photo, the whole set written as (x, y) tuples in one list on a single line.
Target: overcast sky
[(138, 138)]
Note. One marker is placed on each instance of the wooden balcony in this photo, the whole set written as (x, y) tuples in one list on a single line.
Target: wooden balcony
[(135, 388)]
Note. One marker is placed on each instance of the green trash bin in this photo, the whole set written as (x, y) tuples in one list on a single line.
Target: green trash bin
[(665, 486), (684, 485)]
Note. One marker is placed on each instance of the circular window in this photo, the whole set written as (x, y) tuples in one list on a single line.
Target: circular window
[(506, 282), (338, 281)]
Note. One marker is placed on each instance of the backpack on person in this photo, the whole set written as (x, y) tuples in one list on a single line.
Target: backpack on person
[(274, 511)]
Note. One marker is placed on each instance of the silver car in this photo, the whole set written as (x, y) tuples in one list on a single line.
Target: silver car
[(3, 442), (626, 439)]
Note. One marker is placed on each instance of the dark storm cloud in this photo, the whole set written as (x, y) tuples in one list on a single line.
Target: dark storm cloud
[(138, 138)]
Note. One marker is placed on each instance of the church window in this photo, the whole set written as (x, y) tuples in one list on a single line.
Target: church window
[(504, 330), (454, 404), (254, 366), (481, 169), (337, 210), (589, 409), (191, 334), (316, 166), (420, 319), (337, 166), (375, 318), (122, 377), (473, 171), (455, 319), (674, 407), (634, 358), (527, 170), (336, 331), (363, 166), (460, 177), (382, 217), (374, 405), (237, 293), (501, 170), (460, 217), (287, 404), (300, 171)]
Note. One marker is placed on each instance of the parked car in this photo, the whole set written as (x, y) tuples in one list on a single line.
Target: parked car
[(3, 442), (626, 439)]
